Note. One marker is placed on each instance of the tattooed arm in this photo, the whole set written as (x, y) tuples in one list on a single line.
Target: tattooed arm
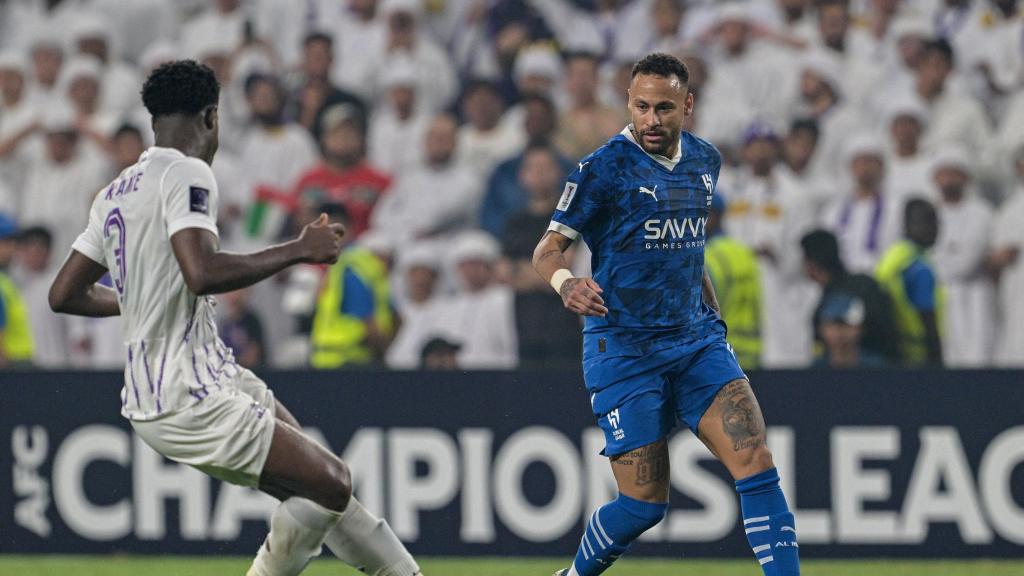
[(580, 295)]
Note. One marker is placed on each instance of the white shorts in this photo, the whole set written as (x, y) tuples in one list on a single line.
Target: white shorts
[(226, 435)]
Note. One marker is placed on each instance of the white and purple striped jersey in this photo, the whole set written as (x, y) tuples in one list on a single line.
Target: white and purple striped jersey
[(174, 356)]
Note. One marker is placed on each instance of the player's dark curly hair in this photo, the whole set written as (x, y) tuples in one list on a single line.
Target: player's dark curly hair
[(661, 64), (180, 87)]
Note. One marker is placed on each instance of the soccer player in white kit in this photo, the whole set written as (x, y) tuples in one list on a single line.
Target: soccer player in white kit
[(154, 230)]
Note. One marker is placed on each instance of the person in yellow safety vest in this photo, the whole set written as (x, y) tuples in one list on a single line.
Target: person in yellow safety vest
[(16, 346), (353, 323), (736, 276), (909, 278)]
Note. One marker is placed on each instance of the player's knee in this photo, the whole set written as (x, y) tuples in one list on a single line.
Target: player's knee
[(754, 461), (339, 490)]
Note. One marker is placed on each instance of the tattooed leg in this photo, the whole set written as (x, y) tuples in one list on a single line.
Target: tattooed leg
[(643, 473), (733, 429)]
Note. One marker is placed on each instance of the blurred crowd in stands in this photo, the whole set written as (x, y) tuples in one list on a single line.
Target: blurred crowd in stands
[(869, 212)]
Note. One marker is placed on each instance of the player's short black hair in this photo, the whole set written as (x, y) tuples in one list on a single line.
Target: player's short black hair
[(180, 87), (942, 47), (822, 248), (569, 55), (809, 125), (36, 234), (260, 77), (538, 98), (482, 84), (661, 64), (918, 207), (126, 129), (318, 37)]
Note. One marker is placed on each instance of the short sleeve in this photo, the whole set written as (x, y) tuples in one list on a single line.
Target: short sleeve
[(90, 242), (3, 314), (189, 193), (357, 297), (581, 200), (919, 283)]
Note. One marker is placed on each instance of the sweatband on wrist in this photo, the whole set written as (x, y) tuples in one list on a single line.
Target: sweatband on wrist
[(559, 278)]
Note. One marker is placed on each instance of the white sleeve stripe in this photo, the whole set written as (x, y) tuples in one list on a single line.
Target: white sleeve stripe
[(563, 230)]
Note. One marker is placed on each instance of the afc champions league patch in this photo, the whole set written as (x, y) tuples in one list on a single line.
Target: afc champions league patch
[(198, 200), (567, 195)]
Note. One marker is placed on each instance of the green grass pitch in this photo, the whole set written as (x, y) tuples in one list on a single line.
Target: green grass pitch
[(182, 566)]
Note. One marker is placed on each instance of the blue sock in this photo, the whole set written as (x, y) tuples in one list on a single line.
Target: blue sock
[(611, 530), (769, 524)]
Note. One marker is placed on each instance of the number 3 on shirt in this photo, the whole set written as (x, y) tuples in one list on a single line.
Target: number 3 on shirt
[(114, 227)]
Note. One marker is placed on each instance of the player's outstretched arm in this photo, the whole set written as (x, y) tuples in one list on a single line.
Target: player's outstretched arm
[(580, 295), (75, 291), (207, 270)]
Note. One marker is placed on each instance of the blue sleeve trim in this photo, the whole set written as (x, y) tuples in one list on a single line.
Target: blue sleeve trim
[(919, 283), (357, 296)]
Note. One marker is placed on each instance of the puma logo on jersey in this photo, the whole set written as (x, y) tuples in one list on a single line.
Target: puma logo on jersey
[(646, 190), (582, 165)]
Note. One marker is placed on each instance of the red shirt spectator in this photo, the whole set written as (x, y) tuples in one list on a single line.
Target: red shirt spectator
[(357, 189), (343, 175)]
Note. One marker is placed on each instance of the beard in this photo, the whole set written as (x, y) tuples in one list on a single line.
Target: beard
[(661, 148)]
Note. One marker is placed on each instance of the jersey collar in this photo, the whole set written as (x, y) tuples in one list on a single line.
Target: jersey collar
[(669, 163)]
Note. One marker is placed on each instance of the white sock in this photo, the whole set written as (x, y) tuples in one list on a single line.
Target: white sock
[(297, 532), (367, 543), (572, 570)]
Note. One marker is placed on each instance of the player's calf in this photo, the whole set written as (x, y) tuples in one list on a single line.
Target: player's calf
[(734, 430)]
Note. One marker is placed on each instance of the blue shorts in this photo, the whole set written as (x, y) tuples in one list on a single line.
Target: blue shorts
[(640, 399)]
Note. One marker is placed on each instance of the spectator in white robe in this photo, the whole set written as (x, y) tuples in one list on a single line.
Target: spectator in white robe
[(485, 140), (47, 55), (405, 37), (1006, 263), (438, 198), (119, 84), (759, 72), (481, 315), (417, 298), (955, 116), (866, 220), (798, 147), (720, 119), (852, 49), (62, 181), (658, 26), (19, 123), (793, 20), (273, 154), (960, 253), (770, 213), (907, 166), (82, 83), (360, 34), (137, 25), (398, 121), (223, 20), (990, 54), (821, 99)]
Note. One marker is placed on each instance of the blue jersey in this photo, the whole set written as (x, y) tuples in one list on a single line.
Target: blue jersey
[(644, 217)]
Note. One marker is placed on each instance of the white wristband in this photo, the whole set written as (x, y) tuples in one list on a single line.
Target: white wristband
[(559, 278)]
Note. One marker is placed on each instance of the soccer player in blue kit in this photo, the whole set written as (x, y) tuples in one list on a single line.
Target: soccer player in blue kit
[(655, 352)]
